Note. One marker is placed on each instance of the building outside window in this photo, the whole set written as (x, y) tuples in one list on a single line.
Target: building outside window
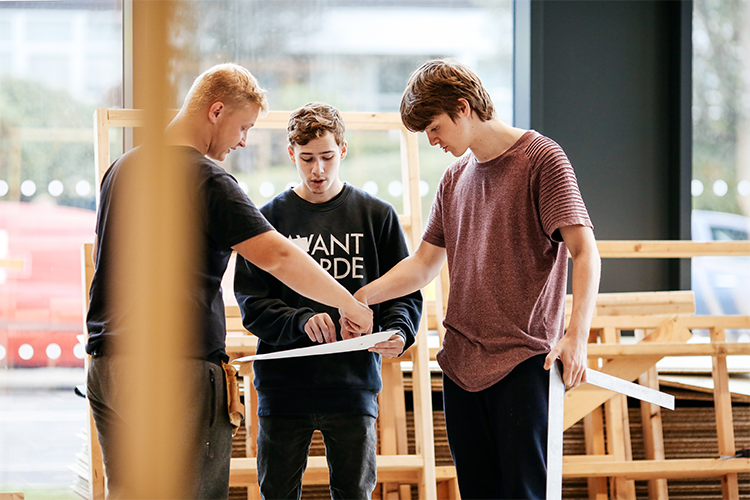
[(721, 153)]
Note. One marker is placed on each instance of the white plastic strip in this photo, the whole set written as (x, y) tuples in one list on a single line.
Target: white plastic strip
[(636, 391), (555, 432), (356, 344), (556, 416)]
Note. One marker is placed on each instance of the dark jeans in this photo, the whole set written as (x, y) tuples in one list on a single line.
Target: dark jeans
[(498, 436), (208, 432), (284, 444)]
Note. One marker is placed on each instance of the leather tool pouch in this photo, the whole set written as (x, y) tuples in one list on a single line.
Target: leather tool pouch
[(234, 404)]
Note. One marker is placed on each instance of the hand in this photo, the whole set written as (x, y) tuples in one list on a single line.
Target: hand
[(320, 328), (391, 348), (348, 331), (356, 322), (572, 352)]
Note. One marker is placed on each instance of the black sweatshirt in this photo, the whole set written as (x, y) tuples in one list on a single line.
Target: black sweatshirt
[(357, 238)]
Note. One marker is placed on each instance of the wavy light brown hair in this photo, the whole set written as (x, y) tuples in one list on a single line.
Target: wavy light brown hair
[(229, 83), (313, 120), (436, 87)]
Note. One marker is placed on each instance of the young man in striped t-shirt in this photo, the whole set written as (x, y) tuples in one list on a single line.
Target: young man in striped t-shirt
[(504, 216)]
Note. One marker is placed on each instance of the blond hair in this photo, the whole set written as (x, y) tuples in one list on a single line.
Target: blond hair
[(313, 120), (436, 87), (229, 83)]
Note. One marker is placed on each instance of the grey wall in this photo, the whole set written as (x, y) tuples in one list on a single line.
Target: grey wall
[(611, 83)]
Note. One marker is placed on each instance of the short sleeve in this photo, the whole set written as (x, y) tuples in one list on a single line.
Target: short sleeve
[(232, 216), (559, 199), (434, 231)]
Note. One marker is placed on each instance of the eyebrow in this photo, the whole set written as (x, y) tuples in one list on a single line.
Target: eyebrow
[(322, 152)]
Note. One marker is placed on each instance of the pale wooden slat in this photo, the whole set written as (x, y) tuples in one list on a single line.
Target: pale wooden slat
[(651, 425), (640, 303), (723, 407), (101, 149), (391, 468), (584, 398), (649, 322), (273, 120), (667, 349), (654, 469), (593, 427), (671, 249), (617, 428), (96, 466)]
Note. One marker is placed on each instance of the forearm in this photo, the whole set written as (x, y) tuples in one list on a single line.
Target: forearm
[(402, 314), (274, 254), (301, 273), (411, 274), (585, 285)]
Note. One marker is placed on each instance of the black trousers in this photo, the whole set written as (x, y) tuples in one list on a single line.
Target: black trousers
[(498, 436), (208, 432)]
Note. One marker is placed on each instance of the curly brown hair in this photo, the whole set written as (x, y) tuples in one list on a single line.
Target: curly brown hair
[(313, 120)]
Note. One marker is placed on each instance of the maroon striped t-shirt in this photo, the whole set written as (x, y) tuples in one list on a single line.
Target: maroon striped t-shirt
[(498, 222)]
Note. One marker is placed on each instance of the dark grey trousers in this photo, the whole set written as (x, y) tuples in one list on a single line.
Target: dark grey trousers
[(207, 425)]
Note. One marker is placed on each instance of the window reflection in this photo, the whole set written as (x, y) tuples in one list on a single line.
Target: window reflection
[(356, 55), (58, 62)]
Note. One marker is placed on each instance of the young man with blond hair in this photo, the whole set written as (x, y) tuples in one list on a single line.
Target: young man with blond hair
[(355, 237), (505, 216), (220, 108)]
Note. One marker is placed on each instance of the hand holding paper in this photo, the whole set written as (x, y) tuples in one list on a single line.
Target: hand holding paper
[(391, 348)]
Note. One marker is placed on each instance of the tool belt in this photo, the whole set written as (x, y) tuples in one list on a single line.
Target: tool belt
[(234, 405)]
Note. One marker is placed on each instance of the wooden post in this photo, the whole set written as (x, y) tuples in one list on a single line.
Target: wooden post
[(157, 253), (251, 427), (651, 423), (421, 383), (618, 435), (96, 467), (723, 407), (593, 429)]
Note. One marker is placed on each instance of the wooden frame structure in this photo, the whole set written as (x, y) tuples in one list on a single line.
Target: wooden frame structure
[(642, 312), (395, 465)]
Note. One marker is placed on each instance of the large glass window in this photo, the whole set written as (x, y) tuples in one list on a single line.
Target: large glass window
[(356, 55), (721, 152), (58, 62)]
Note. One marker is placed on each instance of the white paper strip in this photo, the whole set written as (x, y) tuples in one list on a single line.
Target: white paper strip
[(556, 416), (636, 391), (357, 344), (555, 426)]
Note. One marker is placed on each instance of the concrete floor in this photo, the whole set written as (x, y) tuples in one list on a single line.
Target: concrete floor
[(40, 417)]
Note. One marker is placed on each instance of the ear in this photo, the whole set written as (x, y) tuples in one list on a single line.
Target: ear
[(343, 150), (290, 150), (463, 108), (215, 110)]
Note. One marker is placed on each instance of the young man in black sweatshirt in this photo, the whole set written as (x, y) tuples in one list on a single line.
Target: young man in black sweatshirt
[(356, 237)]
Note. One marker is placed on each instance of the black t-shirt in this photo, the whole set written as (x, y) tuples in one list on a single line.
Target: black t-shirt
[(226, 217)]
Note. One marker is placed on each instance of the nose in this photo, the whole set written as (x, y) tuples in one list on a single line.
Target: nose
[(243, 138), (318, 167), (432, 138)]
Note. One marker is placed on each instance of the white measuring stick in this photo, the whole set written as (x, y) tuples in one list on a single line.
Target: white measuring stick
[(356, 344), (557, 415)]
